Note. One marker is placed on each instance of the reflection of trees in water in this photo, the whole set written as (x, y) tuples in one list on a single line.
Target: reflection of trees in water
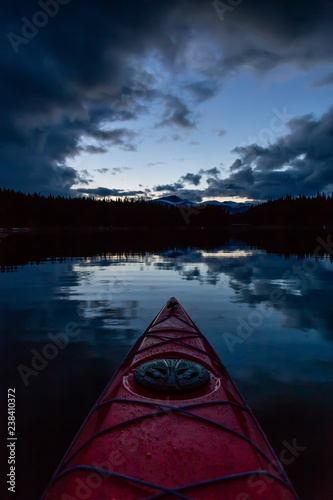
[(63, 295), (22, 248)]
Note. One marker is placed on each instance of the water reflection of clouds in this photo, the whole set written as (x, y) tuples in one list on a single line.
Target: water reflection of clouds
[(225, 254), (42, 299), (29, 300), (101, 291), (306, 300), (254, 276)]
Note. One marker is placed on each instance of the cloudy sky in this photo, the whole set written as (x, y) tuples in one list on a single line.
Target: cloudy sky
[(206, 100)]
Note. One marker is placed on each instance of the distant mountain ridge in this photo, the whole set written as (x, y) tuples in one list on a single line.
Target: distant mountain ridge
[(232, 207), (170, 200)]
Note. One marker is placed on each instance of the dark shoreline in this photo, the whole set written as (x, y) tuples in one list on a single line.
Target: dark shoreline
[(21, 246)]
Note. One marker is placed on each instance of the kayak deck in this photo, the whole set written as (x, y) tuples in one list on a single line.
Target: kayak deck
[(169, 429)]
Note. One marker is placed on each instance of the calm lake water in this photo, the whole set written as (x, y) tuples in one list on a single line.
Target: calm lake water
[(269, 318)]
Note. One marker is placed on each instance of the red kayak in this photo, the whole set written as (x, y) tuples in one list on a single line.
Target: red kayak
[(170, 424)]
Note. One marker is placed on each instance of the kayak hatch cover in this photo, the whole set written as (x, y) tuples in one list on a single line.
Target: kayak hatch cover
[(170, 424)]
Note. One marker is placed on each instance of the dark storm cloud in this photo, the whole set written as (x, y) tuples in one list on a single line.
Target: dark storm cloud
[(195, 179), (236, 165), (191, 179), (102, 170), (95, 149), (119, 170), (299, 162), (102, 191), (212, 175), (214, 172), (260, 35), (326, 80), (118, 137), (114, 171), (83, 70), (85, 177), (203, 90), (172, 188), (220, 132), (68, 81), (188, 178), (176, 113)]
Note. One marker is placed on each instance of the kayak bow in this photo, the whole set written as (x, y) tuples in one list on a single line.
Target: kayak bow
[(170, 424)]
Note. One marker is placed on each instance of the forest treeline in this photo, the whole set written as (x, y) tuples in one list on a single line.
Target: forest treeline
[(291, 211), (34, 210), (30, 210)]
